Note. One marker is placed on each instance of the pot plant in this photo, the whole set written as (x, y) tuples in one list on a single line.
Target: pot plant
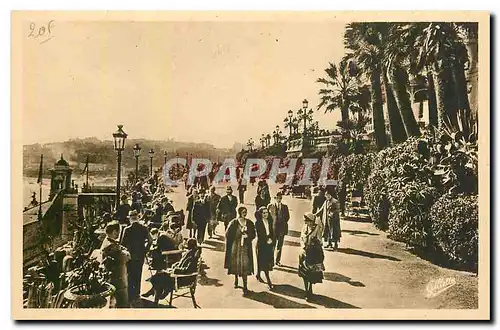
[(88, 284)]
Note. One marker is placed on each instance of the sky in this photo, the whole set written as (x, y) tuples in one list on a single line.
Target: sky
[(199, 81)]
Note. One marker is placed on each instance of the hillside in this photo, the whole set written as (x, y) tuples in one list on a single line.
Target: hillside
[(102, 157)]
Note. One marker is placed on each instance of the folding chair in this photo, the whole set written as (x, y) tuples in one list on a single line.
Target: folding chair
[(188, 285)]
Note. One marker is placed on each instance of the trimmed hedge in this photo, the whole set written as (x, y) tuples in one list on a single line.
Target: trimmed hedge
[(454, 221)]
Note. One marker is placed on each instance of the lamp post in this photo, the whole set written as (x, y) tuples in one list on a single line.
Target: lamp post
[(268, 139), (137, 153), (263, 140), (165, 153), (151, 155), (119, 138), (277, 134), (295, 125), (305, 114), (250, 144), (289, 121)]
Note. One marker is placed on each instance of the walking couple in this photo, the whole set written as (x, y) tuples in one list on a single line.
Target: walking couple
[(270, 228)]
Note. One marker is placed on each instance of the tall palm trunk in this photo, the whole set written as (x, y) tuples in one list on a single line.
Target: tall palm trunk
[(431, 100), (398, 131), (378, 110), (399, 79), (472, 77), (460, 84), (446, 104), (345, 112)]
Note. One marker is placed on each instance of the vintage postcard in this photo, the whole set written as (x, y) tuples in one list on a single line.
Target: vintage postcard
[(250, 165)]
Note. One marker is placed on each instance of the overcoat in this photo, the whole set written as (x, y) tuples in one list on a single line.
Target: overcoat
[(231, 235), (264, 248)]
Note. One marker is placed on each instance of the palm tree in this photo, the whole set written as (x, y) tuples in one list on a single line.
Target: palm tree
[(469, 33), (442, 50), (341, 87), (396, 64), (398, 131), (365, 46)]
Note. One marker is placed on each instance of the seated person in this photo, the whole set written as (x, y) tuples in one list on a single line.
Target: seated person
[(169, 238), (163, 282)]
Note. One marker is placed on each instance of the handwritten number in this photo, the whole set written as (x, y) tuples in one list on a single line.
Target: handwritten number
[(32, 29), (50, 25), (43, 30)]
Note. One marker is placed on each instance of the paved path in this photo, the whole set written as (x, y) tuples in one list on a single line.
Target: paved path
[(367, 271)]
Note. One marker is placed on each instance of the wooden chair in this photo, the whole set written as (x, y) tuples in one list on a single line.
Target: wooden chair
[(188, 287)]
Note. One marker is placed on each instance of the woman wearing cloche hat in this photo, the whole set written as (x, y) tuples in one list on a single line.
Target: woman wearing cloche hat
[(311, 257)]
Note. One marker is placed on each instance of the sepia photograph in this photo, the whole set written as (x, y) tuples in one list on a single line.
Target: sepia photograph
[(250, 165)]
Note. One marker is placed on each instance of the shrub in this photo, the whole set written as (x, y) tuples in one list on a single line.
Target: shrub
[(355, 169), (454, 221), (391, 167), (410, 203)]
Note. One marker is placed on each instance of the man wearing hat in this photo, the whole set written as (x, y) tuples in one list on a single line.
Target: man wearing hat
[(137, 240), (329, 213), (226, 209), (281, 215), (166, 205), (123, 210), (318, 200), (115, 258), (213, 201)]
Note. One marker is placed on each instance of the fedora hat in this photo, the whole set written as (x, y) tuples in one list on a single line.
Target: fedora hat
[(309, 217)]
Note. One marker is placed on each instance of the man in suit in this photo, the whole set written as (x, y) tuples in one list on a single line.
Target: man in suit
[(123, 210), (329, 214), (241, 190), (213, 201), (227, 207), (201, 216), (115, 258), (318, 200), (281, 215), (163, 283), (137, 240)]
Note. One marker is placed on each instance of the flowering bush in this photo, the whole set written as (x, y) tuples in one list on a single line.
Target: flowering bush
[(455, 228)]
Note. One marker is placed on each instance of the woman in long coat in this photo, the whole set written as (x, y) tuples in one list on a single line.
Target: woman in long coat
[(239, 254), (311, 259), (262, 199), (265, 244)]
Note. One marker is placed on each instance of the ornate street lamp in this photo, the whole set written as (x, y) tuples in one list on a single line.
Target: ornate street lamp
[(151, 155), (295, 125), (263, 140), (119, 138), (250, 143), (305, 114), (289, 121), (268, 139), (137, 153), (165, 153), (277, 135)]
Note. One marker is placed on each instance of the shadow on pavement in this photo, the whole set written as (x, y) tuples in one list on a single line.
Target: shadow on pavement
[(366, 254), (294, 233), (292, 291), (214, 245), (332, 277), (276, 301), (292, 243), (356, 218), (205, 280), (359, 232), (150, 304)]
